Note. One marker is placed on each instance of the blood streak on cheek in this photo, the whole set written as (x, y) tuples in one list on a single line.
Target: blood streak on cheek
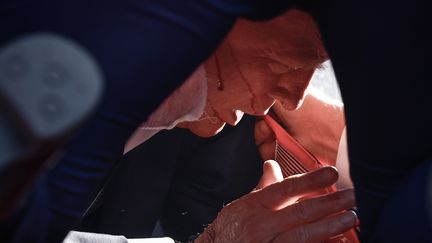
[(251, 92), (249, 88), (243, 77)]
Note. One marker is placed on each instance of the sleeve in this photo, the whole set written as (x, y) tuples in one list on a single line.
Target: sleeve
[(145, 48), (380, 55)]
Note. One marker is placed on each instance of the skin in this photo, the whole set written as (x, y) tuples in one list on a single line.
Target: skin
[(318, 127), (272, 214), (323, 122), (257, 64), (258, 217), (263, 62)]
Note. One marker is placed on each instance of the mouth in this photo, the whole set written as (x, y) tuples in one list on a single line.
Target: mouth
[(232, 117), (236, 116), (259, 113)]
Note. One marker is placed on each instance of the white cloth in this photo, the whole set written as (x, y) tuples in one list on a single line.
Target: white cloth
[(342, 163), (86, 237), (186, 103)]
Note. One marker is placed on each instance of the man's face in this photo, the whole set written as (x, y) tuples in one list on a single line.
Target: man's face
[(257, 63)]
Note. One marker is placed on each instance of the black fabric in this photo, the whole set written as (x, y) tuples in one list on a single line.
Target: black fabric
[(144, 49), (408, 209), (180, 178), (381, 53), (131, 201)]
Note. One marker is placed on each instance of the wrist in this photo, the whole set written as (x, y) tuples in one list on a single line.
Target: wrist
[(208, 236)]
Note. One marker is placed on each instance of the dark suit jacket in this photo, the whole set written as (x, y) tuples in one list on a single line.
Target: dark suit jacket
[(179, 178), (145, 49), (381, 54)]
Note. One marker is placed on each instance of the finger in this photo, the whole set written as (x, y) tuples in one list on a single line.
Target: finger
[(265, 140), (278, 194), (263, 133), (271, 174), (320, 230), (314, 209), (267, 150)]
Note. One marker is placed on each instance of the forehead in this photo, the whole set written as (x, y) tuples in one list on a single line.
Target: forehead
[(291, 37)]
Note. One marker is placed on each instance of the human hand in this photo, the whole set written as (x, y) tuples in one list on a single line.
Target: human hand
[(274, 214), (265, 140), (272, 173)]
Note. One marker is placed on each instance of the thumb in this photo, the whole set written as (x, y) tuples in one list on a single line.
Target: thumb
[(271, 174), (265, 140)]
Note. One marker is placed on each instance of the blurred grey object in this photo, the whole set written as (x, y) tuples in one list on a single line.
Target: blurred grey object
[(48, 86)]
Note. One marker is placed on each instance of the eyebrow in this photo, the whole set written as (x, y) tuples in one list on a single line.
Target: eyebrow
[(308, 55)]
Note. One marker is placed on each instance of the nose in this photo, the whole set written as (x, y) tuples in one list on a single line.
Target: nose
[(290, 99)]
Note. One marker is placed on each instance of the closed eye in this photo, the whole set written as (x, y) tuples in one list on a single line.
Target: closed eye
[(279, 68)]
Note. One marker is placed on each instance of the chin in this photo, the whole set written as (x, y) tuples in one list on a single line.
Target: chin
[(206, 131)]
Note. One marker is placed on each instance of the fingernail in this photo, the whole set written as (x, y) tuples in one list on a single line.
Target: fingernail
[(266, 164), (348, 218), (331, 173), (354, 211)]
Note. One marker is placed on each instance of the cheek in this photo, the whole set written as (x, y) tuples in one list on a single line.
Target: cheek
[(235, 95), (261, 81)]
